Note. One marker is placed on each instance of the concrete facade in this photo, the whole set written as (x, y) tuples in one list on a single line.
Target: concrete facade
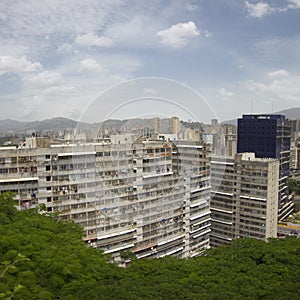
[(244, 198), (149, 196)]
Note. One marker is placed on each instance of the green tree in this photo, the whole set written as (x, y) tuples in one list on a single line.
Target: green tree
[(41, 258), (294, 186)]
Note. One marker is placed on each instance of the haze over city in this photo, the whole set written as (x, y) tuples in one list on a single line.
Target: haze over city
[(197, 59)]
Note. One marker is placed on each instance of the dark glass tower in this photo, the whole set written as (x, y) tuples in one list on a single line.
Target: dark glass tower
[(269, 136)]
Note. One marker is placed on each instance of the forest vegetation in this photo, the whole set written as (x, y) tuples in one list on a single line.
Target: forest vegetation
[(42, 258)]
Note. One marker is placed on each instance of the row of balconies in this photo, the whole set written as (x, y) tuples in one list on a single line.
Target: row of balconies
[(76, 172), (171, 249), (18, 173), (161, 227), (162, 230), (113, 240), (221, 226), (67, 198)]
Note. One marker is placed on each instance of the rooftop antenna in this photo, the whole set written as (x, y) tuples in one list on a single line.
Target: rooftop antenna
[(272, 107), (251, 106)]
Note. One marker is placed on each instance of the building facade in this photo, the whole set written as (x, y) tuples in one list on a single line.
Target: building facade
[(147, 195), (174, 125), (269, 136), (244, 199), (230, 144), (156, 124)]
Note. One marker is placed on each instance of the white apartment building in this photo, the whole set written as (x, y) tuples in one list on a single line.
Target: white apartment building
[(244, 200), (147, 195)]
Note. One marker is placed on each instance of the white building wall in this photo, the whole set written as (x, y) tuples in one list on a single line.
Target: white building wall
[(137, 196)]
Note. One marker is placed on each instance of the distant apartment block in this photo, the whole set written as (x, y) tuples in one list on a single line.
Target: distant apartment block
[(244, 199), (230, 144), (148, 195), (269, 136), (174, 125), (156, 124)]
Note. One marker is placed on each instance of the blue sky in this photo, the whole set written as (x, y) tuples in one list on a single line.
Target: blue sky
[(92, 60)]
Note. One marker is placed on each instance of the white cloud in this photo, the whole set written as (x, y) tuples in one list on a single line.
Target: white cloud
[(225, 93), (9, 64), (294, 4), (259, 9), (71, 28), (133, 27), (91, 39), (89, 65), (64, 48), (28, 17), (278, 73), (178, 35), (43, 80), (285, 88), (255, 86)]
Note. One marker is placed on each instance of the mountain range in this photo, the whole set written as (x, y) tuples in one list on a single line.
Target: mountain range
[(9, 126), (291, 113)]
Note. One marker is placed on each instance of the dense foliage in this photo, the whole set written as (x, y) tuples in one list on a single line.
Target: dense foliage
[(41, 258), (294, 186)]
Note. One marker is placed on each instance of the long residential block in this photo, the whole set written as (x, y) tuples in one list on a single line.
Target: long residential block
[(147, 195)]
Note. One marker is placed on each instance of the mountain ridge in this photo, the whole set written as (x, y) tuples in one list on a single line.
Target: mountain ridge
[(10, 126), (290, 113)]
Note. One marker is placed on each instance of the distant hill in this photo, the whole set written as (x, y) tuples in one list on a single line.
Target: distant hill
[(9, 126), (291, 113)]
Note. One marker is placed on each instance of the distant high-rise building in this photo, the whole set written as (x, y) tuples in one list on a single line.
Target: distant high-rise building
[(244, 200), (230, 144), (214, 122), (295, 124), (156, 125), (174, 125), (269, 136)]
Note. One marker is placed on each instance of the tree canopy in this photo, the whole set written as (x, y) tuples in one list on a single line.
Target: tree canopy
[(294, 186), (41, 258)]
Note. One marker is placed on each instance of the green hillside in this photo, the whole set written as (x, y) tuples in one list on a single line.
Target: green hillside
[(41, 258)]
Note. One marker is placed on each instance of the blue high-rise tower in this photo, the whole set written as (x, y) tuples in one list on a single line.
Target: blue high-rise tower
[(269, 136)]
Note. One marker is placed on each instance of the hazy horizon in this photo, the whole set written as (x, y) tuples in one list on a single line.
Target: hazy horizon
[(146, 118)]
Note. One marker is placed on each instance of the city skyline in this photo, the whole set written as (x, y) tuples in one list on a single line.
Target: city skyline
[(118, 59)]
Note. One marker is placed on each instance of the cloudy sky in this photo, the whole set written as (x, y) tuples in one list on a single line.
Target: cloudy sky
[(95, 59)]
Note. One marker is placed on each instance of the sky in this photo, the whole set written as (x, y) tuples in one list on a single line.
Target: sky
[(94, 60)]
